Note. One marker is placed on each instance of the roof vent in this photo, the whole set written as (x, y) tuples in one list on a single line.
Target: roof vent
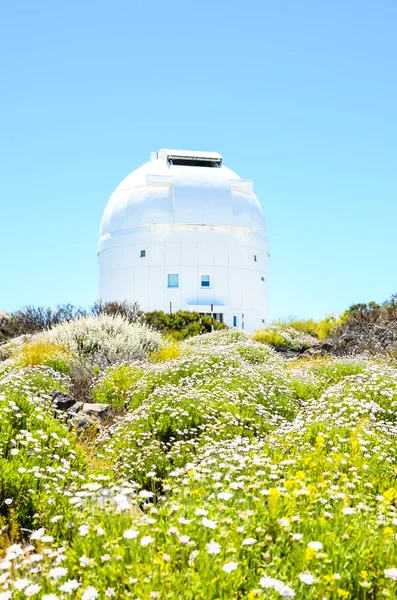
[(186, 158)]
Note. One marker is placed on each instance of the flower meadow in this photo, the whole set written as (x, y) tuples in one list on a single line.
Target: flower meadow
[(228, 471)]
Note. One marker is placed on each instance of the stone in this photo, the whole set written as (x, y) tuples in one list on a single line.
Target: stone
[(77, 407), (98, 410), (62, 400), (84, 424)]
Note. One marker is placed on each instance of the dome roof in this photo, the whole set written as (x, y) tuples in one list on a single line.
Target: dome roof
[(181, 187)]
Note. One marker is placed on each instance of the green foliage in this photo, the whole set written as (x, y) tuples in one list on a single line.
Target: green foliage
[(180, 405), (181, 324), (106, 339), (319, 329), (114, 386), (171, 351), (42, 352), (284, 337), (34, 449), (234, 472), (310, 378)]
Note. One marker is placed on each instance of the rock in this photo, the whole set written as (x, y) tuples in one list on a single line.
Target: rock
[(85, 424), (62, 400), (103, 412), (77, 407)]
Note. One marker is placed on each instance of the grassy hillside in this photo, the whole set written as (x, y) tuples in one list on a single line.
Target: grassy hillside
[(224, 469)]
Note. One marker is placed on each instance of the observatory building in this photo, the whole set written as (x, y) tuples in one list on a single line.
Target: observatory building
[(184, 232)]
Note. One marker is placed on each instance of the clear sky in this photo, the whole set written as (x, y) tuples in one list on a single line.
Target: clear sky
[(300, 96)]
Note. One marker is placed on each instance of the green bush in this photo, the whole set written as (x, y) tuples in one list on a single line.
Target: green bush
[(39, 456), (181, 324), (116, 383), (283, 337), (319, 329)]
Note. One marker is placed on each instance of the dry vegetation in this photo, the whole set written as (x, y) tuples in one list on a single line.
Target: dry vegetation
[(227, 469)]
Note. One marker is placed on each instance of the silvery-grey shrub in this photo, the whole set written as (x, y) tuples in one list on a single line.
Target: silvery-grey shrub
[(106, 339)]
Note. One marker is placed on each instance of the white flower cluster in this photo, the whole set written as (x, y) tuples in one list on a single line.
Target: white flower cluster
[(110, 338)]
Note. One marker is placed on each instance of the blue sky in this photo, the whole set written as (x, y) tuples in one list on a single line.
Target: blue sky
[(301, 97)]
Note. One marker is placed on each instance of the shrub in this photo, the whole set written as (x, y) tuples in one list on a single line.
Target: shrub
[(42, 352), (311, 377), (318, 329), (367, 328), (128, 310), (31, 320), (234, 474), (37, 452), (282, 337), (105, 340), (170, 352), (181, 324), (224, 337), (215, 393), (115, 384)]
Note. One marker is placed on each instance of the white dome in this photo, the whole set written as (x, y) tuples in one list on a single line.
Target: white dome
[(164, 193), (179, 198)]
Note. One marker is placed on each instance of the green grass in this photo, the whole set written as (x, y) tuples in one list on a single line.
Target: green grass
[(115, 384), (319, 329), (234, 473)]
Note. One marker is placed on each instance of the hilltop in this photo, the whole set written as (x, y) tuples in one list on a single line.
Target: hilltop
[(137, 461)]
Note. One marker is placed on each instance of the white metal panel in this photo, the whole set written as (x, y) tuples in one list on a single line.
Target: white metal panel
[(190, 282), (216, 201), (220, 285), (237, 258), (221, 255), (251, 289), (156, 294), (123, 256), (156, 254), (187, 203), (206, 254), (236, 288), (173, 253), (190, 254), (141, 281)]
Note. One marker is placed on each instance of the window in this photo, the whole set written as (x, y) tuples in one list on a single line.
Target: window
[(205, 281), (255, 258), (173, 280), (262, 279), (194, 162), (234, 321), (263, 320), (143, 253)]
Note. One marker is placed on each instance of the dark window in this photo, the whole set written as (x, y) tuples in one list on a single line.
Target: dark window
[(255, 258), (234, 321), (262, 279), (205, 281), (143, 253), (194, 162)]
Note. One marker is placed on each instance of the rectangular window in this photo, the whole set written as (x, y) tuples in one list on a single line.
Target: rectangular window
[(173, 280), (143, 253), (234, 321), (255, 258), (205, 281), (262, 279)]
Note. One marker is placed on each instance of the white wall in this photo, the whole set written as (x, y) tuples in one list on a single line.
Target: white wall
[(193, 221), (227, 256)]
